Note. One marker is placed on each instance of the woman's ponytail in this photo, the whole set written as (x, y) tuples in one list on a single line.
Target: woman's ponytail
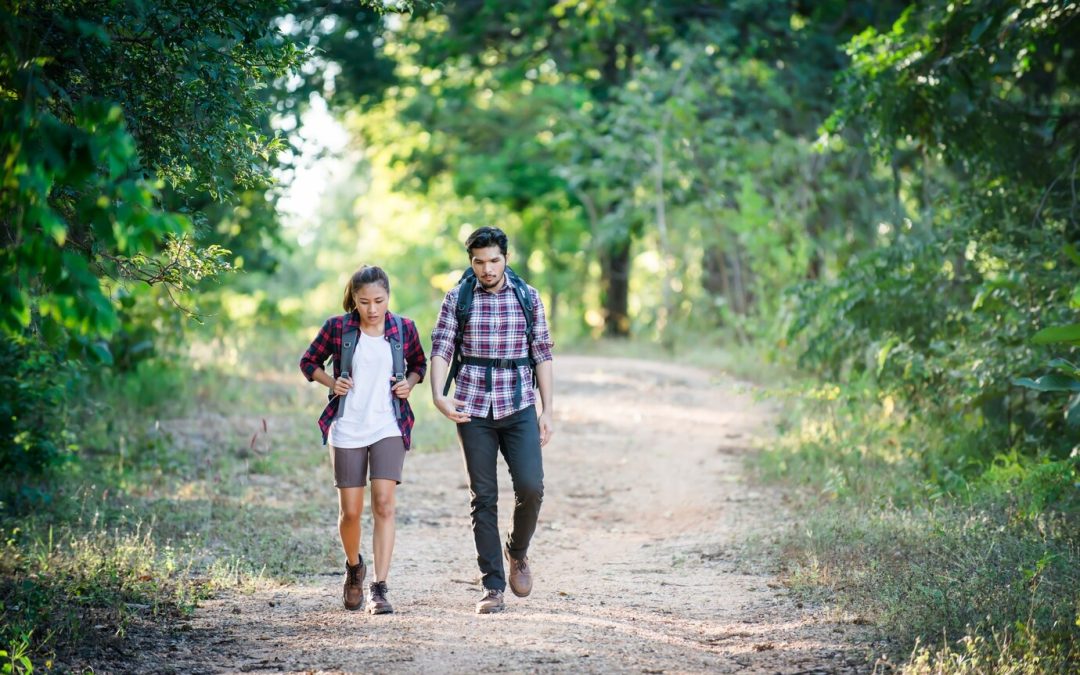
[(367, 274), (348, 304)]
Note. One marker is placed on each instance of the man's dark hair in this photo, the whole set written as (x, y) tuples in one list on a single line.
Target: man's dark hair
[(485, 237)]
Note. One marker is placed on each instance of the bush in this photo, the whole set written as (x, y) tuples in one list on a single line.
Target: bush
[(35, 388), (923, 573), (58, 580), (932, 535)]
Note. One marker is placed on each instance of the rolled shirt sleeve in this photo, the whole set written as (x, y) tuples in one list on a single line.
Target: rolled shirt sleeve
[(414, 351), (542, 342), (318, 352), (442, 336)]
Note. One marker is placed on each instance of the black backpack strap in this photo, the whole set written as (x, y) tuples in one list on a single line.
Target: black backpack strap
[(466, 287), (525, 299), (397, 351), (509, 364), (348, 347)]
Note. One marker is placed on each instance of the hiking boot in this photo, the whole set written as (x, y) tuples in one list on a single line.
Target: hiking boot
[(520, 575), (377, 602), (491, 602), (353, 594)]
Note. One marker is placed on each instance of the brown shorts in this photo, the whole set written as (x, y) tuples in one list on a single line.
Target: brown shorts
[(385, 456)]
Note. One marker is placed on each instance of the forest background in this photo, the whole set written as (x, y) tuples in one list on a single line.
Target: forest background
[(868, 208)]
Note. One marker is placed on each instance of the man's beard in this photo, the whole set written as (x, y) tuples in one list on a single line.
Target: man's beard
[(493, 284)]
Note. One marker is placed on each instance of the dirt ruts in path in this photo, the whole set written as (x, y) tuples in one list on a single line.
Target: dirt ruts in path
[(639, 559)]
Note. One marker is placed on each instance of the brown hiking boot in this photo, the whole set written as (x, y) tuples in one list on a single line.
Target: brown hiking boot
[(377, 602), (491, 602), (353, 593), (520, 575)]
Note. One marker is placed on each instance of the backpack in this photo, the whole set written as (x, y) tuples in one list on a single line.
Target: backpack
[(466, 288), (348, 347)]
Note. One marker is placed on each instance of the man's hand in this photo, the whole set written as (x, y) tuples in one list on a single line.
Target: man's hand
[(546, 428), (451, 407)]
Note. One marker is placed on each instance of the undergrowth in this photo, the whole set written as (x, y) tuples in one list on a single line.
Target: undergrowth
[(174, 466), (967, 560)]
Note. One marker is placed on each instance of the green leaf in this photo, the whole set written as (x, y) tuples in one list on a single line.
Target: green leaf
[(980, 28), (51, 224), (1065, 366), (1051, 382), (1070, 334), (1073, 254), (100, 350), (93, 30), (883, 353), (1072, 413)]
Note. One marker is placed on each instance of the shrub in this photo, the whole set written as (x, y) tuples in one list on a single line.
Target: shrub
[(35, 385)]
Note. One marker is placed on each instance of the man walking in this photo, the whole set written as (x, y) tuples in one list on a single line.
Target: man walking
[(490, 338)]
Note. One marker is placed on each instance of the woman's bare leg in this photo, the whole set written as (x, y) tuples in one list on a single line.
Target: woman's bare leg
[(382, 509), (350, 506)]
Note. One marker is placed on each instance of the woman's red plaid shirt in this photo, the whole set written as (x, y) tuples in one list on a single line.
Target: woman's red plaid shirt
[(327, 344)]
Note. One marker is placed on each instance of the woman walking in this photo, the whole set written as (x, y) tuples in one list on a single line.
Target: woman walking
[(367, 423)]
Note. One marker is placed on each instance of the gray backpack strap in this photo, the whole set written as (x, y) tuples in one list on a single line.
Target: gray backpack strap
[(348, 347), (397, 351)]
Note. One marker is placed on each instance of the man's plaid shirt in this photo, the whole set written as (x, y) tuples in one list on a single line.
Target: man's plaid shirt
[(327, 344), (496, 330)]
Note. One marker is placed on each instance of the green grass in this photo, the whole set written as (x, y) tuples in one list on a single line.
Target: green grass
[(61, 585), (922, 573), (964, 561), (1015, 651), (189, 479), (97, 559)]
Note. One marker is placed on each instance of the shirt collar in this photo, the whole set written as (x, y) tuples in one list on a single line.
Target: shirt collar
[(388, 324), (352, 320)]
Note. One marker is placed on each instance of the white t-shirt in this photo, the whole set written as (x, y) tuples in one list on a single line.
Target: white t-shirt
[(369, 414)]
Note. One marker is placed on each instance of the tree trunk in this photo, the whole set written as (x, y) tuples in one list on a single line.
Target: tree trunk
[(615, 287), (554, 267), (667, 311), (927, 191), (740, 296), (716, 281)]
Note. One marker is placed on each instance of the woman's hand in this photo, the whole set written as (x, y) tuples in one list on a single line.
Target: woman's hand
[(342, 385), (402, 388)]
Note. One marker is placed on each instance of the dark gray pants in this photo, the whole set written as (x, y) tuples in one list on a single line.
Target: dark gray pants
[(518, 438)]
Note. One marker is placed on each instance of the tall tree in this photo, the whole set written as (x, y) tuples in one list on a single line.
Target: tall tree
[(106, 104), (480, 64), (583, 51), (120, 120), (985, 96)]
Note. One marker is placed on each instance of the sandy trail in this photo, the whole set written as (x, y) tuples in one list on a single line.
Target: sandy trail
[(639, 559)]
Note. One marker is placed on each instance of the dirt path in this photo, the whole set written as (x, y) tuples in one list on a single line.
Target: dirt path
[(639, 557)]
